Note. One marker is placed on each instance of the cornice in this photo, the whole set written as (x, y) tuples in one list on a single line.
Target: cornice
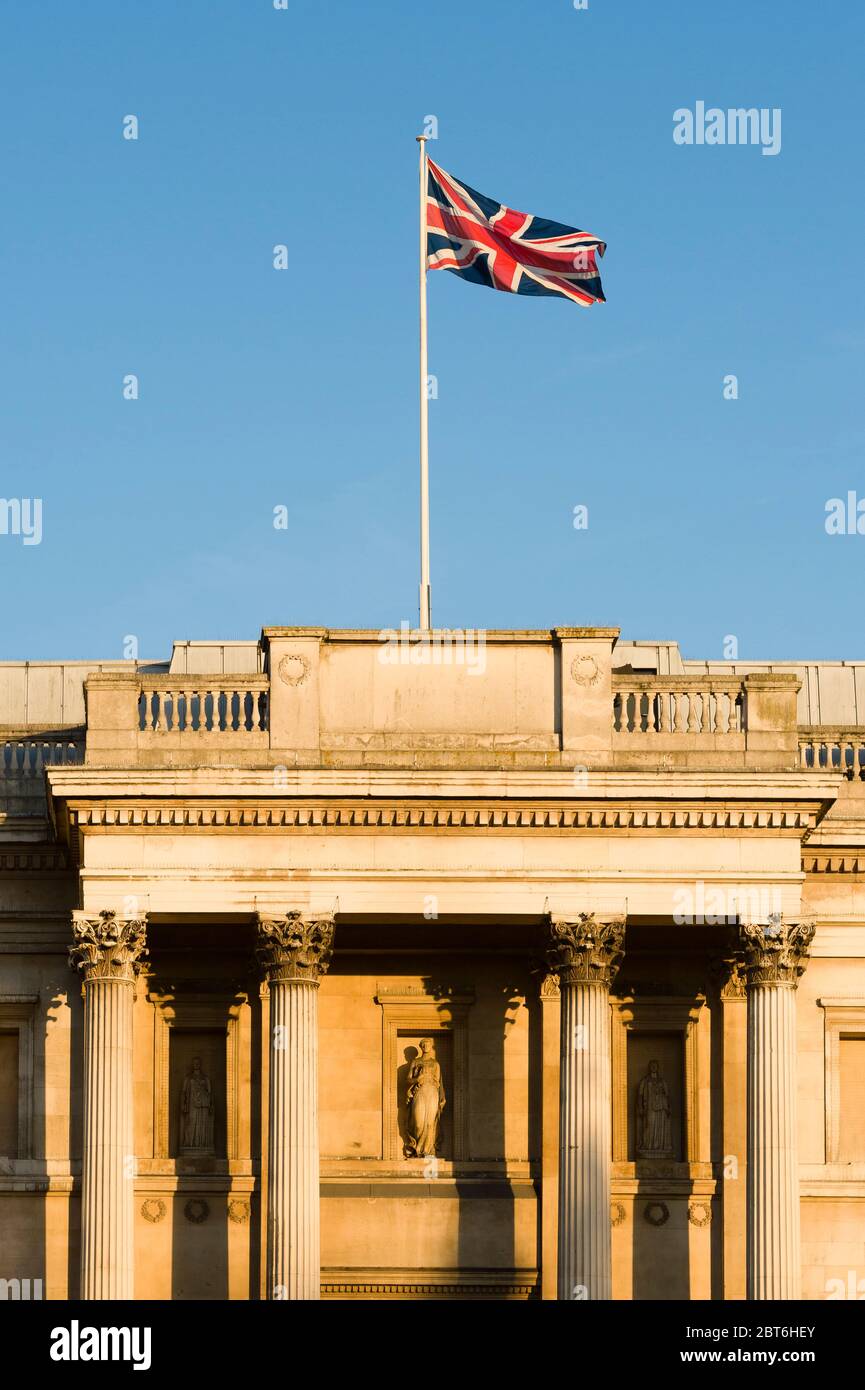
[(837, 862), (278, 782), (28, 858), (313, 816)]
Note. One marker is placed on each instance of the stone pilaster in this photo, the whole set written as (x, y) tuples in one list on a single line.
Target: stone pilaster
[(585, 953), (294, 951), (730, 1030), (108, 951), (775, 956)]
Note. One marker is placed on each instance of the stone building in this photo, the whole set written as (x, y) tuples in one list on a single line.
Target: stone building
[(511, 965)]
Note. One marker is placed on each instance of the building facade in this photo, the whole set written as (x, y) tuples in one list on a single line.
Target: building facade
[(522, 964)]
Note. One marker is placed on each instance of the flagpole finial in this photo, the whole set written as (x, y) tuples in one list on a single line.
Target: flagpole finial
[(421, 138)]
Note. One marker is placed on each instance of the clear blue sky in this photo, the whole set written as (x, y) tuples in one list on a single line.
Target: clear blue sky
[(260, 387)]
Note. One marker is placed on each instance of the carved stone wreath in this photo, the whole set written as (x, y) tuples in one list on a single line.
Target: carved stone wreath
[(585, 671), (238, 1211), (153, 1209), (196, 1210), (293, 669), (656, 1213), (700, 1213), (617, 1214)]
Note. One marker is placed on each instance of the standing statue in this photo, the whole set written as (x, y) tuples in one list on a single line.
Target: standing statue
[(426, 1101), (654, 1129), (196, 1111)]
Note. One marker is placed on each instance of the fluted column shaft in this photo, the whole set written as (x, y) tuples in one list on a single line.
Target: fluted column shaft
[(585, 954), (775, 957), (107, 950), (294, 951), (585, 1140), (293, 1256)]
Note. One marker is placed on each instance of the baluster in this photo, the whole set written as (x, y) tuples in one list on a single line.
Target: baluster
[(664, 712), (697, 706), (679, 725)]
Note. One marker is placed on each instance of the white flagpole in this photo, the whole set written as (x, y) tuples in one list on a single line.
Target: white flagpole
[(425, 596)]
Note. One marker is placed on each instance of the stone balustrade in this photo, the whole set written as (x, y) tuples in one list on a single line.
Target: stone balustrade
[(827, 748), (693, 705), (196, 706), (25, 756), (526, 700)]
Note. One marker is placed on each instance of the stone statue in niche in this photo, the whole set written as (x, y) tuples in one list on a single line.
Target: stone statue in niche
[(426, 1101), (196, 1112), (654, 1127)]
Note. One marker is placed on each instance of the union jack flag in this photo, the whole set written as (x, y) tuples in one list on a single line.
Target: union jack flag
[(486, 242)]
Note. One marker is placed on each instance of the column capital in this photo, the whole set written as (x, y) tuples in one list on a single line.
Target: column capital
[(776, 951), (727, 973), (296, 946), (108, 946), (585, 948)]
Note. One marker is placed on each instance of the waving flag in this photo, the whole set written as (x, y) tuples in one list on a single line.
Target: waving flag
[(486, 242)]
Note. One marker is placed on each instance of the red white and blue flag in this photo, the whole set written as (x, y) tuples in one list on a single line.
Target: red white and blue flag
[(486, 242)]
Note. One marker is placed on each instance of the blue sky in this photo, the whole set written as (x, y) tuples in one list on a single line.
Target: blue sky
[(261, 388)]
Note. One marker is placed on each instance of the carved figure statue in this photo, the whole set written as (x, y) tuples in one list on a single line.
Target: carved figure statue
[(654, 1129), (426, 1100), (196, 1111)]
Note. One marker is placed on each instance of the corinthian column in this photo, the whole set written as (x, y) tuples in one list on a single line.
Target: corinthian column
[(294, 951), (585, 953), (108, 951), (774, 956)]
